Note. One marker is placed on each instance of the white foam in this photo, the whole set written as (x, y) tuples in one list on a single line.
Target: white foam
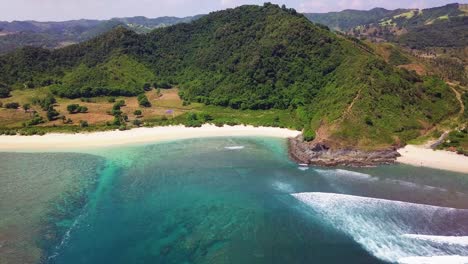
[(346, 173), (302, 168), (450, 259), (416, 186), (283, 187), (451, 240), (235, 147), (378, 225)]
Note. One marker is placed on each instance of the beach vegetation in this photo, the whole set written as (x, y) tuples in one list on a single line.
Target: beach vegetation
[(35, 120), (76, 108), (143, 100), (52, 114), (84, 123)]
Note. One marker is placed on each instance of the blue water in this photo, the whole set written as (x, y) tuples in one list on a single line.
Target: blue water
[(228, 200)]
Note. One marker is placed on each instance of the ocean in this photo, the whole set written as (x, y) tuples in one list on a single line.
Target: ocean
[(224, 200)]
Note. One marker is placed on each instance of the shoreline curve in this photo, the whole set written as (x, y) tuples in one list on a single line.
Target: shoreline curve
[(65, 141)]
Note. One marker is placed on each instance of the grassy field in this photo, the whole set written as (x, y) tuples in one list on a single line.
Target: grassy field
[(166, 109)]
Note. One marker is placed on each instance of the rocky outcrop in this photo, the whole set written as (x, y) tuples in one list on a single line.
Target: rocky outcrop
[(313, 153)]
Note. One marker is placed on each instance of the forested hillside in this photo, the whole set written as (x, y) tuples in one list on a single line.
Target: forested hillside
[(250, 57), (443, 26), (349, 19), (53, 35)]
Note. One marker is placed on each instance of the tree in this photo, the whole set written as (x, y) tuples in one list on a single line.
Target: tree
[(137, 122), (4, 90), (73, 108), (26, 107), (12, 105), (84, 123), (52, 114), (36, 119), (308, 134), (137, 112), (143, 101), (147, 87), (82, 109)]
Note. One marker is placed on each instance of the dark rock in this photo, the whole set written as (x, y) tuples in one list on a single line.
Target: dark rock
[(321, 154)]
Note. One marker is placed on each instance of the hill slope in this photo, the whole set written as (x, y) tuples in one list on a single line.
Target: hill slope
[(443, 26), (251, 58), (57, 34), (349, 19)]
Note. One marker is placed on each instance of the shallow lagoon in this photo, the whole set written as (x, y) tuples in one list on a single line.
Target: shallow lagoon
[(223, 200)]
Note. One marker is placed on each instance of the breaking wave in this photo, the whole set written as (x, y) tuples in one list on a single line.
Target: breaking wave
[(394, 231), (347, 174), (450, 240), (455, 259), (234, 147)]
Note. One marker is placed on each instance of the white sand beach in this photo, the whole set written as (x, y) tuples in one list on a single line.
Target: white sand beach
[(437, 159), (56, 141)]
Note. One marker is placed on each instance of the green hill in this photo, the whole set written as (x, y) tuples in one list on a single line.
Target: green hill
[(349, 19), (256, 58), (443, 26)]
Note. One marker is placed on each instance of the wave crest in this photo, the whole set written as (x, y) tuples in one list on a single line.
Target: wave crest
[(379, 225)]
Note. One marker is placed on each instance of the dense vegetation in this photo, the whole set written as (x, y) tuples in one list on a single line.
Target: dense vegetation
[(443, 26), (4, 90), (451, 32), (56, 34), (247, 58), (349, 19)]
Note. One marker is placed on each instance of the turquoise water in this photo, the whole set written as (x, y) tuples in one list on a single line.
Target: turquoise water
[(224, 200)]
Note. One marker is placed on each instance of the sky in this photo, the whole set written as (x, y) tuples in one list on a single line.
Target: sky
[(59, 10)]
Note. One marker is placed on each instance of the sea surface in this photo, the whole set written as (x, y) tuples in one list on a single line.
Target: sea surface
[(224, 200)]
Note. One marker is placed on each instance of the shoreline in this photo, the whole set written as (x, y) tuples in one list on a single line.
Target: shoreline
[(436, 159), (65, 141), (411, 154)]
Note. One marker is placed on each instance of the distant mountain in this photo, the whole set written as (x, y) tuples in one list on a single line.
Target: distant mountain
[(434, 27), (349, 19), (254, 58), (58, 34), (443, 26)]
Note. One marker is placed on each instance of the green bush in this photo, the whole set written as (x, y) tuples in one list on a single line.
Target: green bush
[(73, 108), (308, 134), (4, 90), (12, 105), (137, 122), (84, 123), (26, 107), (143, 100), (82, 109), (36, 120), (52, 114), (45, 102)]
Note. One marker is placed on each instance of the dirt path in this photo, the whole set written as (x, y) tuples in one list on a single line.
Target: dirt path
[(350, 107), (459, 98)]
